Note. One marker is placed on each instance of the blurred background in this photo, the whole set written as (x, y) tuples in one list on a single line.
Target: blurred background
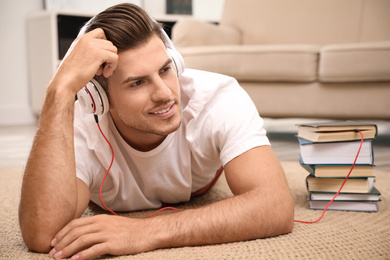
[(20, 99)]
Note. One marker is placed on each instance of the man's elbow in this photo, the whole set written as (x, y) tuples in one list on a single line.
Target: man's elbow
[(281, 218), (36, 235), (287, 221), (37, 239)]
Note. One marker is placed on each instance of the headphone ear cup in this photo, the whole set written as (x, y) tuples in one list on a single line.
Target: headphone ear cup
[(175, 55), (177, 66), (93, 99)]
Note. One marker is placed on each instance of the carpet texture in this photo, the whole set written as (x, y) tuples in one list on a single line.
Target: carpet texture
[(339, 235)]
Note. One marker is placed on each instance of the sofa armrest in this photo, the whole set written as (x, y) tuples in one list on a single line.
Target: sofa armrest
[(355, 62), (191, 32)]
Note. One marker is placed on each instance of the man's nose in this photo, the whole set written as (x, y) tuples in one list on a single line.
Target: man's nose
[(161, 91)]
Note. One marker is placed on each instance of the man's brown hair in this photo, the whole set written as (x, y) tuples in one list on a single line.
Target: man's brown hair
[(127, 26)]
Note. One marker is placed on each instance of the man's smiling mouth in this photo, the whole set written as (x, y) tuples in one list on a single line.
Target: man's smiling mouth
[(162, 111)]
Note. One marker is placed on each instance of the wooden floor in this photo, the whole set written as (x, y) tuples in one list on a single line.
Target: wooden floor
[(16, 141)]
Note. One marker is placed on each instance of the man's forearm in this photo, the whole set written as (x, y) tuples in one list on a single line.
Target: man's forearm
[(255, 214), (262, 205), (49, 190)]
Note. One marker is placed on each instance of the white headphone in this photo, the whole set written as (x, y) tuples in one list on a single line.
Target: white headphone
[(93, 99)]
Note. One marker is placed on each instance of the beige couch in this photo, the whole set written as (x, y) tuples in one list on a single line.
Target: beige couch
[(299, 58)]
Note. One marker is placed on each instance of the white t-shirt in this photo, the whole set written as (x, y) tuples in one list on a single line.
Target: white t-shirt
[(219, 122)]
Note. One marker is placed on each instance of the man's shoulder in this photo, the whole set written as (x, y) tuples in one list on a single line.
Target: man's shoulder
[(201, 86), (203, 92), (194, 75)]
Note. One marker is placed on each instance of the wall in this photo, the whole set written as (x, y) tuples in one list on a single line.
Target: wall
[(14, 92)]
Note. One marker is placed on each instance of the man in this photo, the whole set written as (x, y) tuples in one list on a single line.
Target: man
[(170, 131)]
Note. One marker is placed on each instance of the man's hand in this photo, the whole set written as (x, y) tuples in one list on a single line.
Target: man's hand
[(88, 55), (90, 237)]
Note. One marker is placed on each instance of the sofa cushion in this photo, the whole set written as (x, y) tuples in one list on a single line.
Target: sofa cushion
[(294, 63), (355, 62), (191, 32)]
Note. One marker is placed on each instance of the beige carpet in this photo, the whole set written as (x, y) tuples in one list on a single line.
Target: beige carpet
[(339, 235)]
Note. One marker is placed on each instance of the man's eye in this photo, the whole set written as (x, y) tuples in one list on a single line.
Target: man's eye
[(137, 83), (166, 69)]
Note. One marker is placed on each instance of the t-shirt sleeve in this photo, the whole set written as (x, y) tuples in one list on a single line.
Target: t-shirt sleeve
[(81, 157), (237, 125)]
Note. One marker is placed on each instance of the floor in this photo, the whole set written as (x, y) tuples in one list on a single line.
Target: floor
[(15, 145), (16, 141)]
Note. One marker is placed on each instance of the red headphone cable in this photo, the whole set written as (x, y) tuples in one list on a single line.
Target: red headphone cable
[(109, 168)]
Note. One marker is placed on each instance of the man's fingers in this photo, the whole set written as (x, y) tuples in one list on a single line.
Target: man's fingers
[(77, 224), (96, 33), (91, 242), (109, 60), (76, 236), (109, 69), (94, 251)]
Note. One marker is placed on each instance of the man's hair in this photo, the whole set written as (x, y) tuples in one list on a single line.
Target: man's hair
[(127, 26)]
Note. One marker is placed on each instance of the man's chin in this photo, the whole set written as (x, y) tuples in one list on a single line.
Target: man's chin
[(171, 130)]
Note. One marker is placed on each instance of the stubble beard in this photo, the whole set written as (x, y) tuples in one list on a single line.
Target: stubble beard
[(147, 128)]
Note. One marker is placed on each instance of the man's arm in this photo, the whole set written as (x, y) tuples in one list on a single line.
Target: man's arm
[(51, 194), (262, 207)]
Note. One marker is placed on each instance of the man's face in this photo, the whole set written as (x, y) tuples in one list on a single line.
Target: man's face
[(145, 95)]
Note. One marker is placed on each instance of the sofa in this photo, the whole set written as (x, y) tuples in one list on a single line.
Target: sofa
[(299, 58)]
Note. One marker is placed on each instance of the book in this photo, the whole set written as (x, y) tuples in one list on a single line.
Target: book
[(336, 152), (369, 206), (336, 131), (372, 196), (353, 185), (334, 170)]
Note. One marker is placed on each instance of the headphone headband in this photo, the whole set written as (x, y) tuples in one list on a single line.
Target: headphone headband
[(175, 55)]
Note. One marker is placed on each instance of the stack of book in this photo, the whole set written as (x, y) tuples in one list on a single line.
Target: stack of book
[(327, 152)]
